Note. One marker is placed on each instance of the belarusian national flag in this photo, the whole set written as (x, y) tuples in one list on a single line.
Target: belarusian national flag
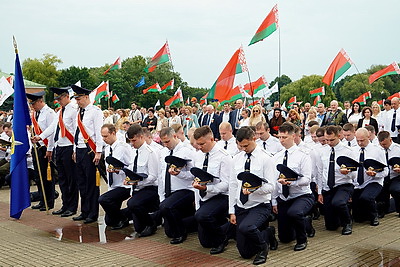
[(252, 104), (161, 57), (317, 92), (380, 103), (234, 94), (117, 65), (175, 99), (389, 70), (169, 85), (241, 66), (220, 91), (254, 87), (187, 101), (203, 99), (100, 92), (154, 88), (268, 26), (292, 100), (56, 104), (338, 67), (317, 100), (114, 98), (361, 99), (394, 95)]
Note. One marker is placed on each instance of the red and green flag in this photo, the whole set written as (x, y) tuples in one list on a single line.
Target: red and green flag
[(56, 104), (162, 56), (175, 99), (114, 98), (292, 100), (361, 99), (220, 91), (380, 103), (169, 85), (338, 67), (203, 99), (100, 92), (255, 102), (267, 27), (254, 87), (392, 69), (317, 92), (234, 94), (241, 66), (317, 100), (116, 66), (394, 95), (153, 88)]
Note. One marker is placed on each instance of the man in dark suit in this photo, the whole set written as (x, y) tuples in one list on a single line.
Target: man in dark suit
[(235, 115), (213, 120)]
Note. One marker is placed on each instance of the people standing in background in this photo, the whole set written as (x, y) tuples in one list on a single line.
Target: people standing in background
[(355, 114), (366, 119), (256, 116)]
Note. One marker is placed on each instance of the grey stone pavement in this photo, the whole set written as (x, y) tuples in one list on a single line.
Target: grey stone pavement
[(40, 239)]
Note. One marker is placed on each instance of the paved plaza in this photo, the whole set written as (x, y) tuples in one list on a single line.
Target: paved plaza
[(38, 239)]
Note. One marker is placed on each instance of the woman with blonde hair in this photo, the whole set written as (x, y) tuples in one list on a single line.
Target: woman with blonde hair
[(123, 117), (294, 118), (162, 121), (256, 116), (190, 121)]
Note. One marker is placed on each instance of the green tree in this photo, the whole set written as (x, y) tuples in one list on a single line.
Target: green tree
[(43, 71), (282, 81), (74, 74)]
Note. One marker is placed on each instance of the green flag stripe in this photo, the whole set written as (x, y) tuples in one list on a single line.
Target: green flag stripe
[(341, 71), (263, 34)]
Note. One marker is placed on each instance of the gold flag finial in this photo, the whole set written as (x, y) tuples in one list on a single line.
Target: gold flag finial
[(15, 45)]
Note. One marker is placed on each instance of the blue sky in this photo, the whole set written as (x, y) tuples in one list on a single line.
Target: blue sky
[(203, 35)]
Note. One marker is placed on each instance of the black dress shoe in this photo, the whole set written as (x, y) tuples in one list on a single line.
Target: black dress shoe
[(79, 218), (311, 233), (44, 208), (148, 231), (38, 206), (300, 246), (120, 225), (58, 212), (261, 256), (68, 213), (273, 243), (219, 249), (347, 229), (89, 220), (177, 240), (375, 221)]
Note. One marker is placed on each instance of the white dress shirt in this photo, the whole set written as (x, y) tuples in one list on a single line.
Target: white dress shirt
[(225, 116), (147, 163), (353, 143), (299, 161), (46, 117), (272, 144), (69, 118), (181, 181), (92, 121), (387, 122), (123, 152), (372, 152), (261, 165), (231, 146), (340, 150), (393, 151)]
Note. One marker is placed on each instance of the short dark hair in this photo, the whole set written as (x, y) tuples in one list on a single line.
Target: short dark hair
[(320, 131), (7, 125), (387, 102), (126, 122), (134, 130), (287, 127), (348, 127), (202, 131), (332, 129), (174, 109), (146, 132), (167, 131), (261, 125), (370, 128), (312, 123), (383, 135), (244, 133)]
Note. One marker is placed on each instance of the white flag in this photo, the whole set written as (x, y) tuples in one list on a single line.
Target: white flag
[(5, 90), (157, 104)]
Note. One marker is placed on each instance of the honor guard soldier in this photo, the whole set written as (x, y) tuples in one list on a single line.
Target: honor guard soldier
[(335, 183), (369, 180), (87, 154), (249, 197), (228, 141), (145, 192), (265, 140), (118, 154), (62, 129), (292, 199), (175, 186), (391, 185), (211, 184), (42, 118)]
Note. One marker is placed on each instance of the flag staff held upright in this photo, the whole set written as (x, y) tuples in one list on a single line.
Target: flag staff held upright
[(279, 64)]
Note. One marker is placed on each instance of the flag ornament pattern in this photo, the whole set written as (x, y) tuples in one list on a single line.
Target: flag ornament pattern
[(338, 67), (175, 99), (241, 65), (392, 69), (318, 92), (168, 86), (19, 197), (116, 66), (267, 27), (220, 91), (254, 87), (162, 56), (153, 88)]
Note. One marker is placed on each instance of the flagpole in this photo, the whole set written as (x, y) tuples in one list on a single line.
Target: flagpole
[(279, 63), (365, 86)]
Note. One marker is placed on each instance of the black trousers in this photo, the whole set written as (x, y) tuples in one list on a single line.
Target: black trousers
[(176, 207), (210, 217), (48, 185), (394, 189), (111, 202), (251, 233), (337, 212), (86, 179), (141, 203), (66, 168), (364, 204), (292, 221)]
